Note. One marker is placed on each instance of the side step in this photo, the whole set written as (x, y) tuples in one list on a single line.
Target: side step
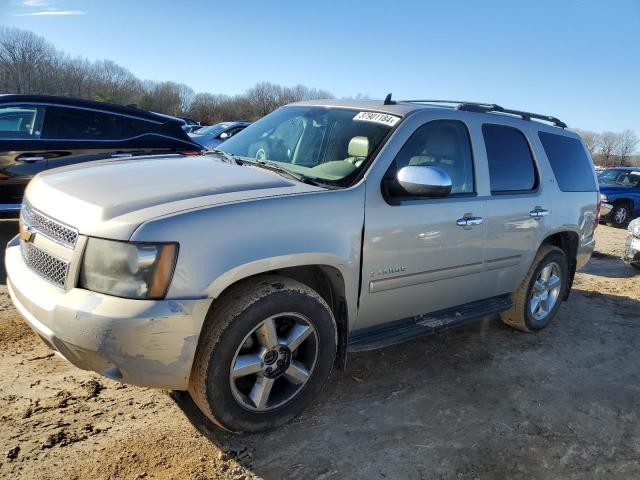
[(404, 330)]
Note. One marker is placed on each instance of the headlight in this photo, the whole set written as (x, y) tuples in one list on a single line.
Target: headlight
[(634, 227), (603, 198), (132, 270)]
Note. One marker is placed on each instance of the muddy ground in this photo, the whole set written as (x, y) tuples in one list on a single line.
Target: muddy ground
[(482, 401)]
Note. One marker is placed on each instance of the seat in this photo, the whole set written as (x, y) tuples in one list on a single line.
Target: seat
[(441, 149), (358, 150)]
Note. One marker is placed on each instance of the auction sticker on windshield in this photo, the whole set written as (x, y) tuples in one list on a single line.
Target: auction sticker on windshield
[(383, 118)]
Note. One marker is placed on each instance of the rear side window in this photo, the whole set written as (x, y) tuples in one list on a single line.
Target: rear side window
[(80, 124), (511, 167), (569, 162)]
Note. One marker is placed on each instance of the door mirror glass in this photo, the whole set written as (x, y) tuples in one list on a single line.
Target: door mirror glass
[(224, 136), (423, 181)]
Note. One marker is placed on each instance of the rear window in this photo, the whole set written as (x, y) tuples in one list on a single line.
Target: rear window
[(569, 162), (511, 168)]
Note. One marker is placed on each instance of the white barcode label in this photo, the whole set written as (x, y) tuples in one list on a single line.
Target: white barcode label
[(383, 118)]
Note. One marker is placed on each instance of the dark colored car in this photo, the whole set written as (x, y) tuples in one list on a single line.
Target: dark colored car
[(620, 187), (214, 135), (39, 132)]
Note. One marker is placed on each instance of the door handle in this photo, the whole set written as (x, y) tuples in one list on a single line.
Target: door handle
[(539, 212), (121, 155), (31, 158), (468, 221)]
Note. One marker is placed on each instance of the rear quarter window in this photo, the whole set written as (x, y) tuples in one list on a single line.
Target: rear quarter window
[(569, 161)]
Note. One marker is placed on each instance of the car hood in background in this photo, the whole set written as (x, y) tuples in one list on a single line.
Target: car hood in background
[(207, 141), (614, 188), (111, 198)]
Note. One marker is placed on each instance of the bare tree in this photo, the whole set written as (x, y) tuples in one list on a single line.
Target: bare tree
[(591, 140), (24, 61), (627, 142), (607, 147), (167, 97)]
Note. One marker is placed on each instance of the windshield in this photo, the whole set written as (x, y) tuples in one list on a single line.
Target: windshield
[(620, 177), (326, 144), (216, 129)]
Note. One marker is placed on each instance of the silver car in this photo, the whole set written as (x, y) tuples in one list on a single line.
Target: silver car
[(244, 276)]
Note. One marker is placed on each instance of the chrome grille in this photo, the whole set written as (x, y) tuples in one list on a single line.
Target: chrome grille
[(47, 266), (49, 227)]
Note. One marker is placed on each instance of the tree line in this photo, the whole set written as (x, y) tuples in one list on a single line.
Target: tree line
[(30, 64), (610, 149)]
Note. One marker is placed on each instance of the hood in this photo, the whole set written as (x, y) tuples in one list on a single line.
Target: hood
[(111, 198), (613, 188)]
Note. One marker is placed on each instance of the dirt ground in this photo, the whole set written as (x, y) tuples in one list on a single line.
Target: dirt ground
[(481, 401)]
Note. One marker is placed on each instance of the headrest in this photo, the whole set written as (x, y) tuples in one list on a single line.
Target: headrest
[(442, 143), (359, 147)]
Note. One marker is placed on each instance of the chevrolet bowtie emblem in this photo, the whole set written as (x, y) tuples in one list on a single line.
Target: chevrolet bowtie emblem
[(27, 233)]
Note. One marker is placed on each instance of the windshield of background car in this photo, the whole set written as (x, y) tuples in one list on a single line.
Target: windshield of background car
[(629, 178), (212, 130), (326, 144)]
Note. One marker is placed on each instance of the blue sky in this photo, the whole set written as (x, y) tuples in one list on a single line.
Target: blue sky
[(576, 59)]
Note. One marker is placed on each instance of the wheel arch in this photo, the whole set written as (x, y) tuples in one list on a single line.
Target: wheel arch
[(568, 241), (333, 283)]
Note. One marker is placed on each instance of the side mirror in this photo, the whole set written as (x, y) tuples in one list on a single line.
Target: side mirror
[(223, 136), (423, 181)]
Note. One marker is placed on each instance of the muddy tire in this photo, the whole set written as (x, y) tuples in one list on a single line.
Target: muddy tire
[(538, 298), (266, 349)]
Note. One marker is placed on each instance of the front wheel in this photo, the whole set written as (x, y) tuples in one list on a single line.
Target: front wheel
[(538, 298), (619, 215), (264, 354)]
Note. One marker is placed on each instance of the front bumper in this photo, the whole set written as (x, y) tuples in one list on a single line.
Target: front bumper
[(632, 253), (143, 342), (605, 209)]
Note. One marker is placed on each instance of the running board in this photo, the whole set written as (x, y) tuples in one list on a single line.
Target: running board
[(401, 331)]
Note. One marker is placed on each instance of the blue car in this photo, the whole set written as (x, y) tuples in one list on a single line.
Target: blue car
[(212, 136), (620, 188)]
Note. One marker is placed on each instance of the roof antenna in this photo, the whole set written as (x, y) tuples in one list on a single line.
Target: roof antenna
[(388, 101)]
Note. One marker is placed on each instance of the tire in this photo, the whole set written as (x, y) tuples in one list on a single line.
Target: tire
[(520, 315), (619, 215), (237, 328), (635, 265)]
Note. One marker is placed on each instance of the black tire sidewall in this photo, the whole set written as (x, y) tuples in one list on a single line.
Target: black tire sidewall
[(553, 256), (222, 403)]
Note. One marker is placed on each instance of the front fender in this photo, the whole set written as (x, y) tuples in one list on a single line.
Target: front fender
[(223, 244)]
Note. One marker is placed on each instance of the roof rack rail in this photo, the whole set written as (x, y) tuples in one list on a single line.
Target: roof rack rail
[(492, 107)]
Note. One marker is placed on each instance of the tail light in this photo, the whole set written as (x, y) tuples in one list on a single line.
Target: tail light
[(191, 153)]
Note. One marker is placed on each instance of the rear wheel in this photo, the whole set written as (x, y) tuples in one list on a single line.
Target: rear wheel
[(619, 215), (538, 298), (264, 354)]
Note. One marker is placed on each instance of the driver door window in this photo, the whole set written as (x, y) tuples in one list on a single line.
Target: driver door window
[(444, 144)]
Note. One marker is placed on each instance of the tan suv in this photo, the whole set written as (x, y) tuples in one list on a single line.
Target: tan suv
[(245, 275)]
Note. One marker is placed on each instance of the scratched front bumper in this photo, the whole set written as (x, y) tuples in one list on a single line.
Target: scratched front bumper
[(143, 342)]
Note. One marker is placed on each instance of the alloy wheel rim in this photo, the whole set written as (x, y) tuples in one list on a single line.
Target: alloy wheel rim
[(546, 291), (621, 215), (274, 362)]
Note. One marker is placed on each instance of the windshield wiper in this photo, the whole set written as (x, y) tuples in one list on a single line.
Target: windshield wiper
[(277, 168), (227, 157)]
